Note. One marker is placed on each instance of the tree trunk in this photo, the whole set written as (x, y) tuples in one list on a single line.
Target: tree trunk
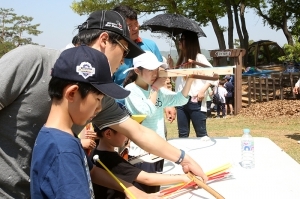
[(230, 27), (230, 24), (237, 25), (287, 33), (220, 38), (245, 32), (219, 33)]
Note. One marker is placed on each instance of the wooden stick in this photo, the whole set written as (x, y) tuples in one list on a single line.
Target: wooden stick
[(218, 169), (212, 175), (215, 77), (189, 71), (198, 63), (96, 158), (175, 189), (205, 186)]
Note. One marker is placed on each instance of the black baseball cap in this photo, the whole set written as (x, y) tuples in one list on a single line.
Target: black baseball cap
[(112, 21), (88, 65)]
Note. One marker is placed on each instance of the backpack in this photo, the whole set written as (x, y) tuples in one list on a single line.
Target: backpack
[(217, 98), (230, 89)]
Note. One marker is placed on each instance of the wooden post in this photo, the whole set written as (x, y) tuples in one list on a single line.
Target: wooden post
[(237, 54), (260, 90), (267, 88), (249, 90), (274, 91), (254, 88), (280, 85), (292, 84)]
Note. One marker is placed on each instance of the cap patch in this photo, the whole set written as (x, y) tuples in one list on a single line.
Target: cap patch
[(85, 69), (114, 25)]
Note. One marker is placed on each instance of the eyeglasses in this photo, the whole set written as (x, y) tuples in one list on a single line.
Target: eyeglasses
[(126, 50)]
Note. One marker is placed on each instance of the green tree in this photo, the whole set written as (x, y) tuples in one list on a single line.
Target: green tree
[(292, 52), (202, 12), (279, 13), (12, 29)]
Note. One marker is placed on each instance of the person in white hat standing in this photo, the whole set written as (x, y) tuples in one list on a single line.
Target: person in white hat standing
[(149, 97)]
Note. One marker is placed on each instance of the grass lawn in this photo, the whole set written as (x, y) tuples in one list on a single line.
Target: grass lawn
[(284, 131)]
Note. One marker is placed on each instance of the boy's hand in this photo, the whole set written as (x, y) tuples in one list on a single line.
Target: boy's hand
[(140, 194), (88, 143), (159, 82), (90, 135)]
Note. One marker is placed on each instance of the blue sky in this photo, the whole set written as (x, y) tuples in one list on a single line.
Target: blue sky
[(58, 23)]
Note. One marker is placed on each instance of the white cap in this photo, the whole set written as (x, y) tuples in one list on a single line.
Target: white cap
[(148, 61)]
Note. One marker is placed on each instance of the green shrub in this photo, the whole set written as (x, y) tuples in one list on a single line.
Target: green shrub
[(292, 53)]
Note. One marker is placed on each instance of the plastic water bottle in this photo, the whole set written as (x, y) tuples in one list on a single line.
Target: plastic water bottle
[(247, 144)]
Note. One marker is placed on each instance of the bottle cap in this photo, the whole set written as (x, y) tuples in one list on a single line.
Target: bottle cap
[(246, 130)]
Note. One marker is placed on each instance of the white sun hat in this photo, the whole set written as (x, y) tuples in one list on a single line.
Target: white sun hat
[(148, 61)]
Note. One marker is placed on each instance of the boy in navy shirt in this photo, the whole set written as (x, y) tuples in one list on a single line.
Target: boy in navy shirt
[(80, 78)]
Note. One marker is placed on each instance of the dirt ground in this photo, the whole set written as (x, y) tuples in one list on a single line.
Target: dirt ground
[(272, 108)]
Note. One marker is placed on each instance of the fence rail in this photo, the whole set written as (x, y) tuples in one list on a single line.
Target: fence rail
[(277, 85)]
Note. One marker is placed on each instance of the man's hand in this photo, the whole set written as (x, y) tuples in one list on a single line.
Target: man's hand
[(189, 165), (170, 114)]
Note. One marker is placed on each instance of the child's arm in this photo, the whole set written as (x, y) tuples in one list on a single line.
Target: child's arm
[(187, 86), (101, 177), (154, 179), (159, 82), (201, 93), (210, 92)]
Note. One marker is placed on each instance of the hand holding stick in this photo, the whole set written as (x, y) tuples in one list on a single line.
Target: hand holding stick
[(205, 186)]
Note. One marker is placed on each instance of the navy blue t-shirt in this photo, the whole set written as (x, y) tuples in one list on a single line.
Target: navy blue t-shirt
[(230, 89), (59, 167)]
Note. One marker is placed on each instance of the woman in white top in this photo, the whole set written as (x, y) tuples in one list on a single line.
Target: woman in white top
[(195, 110)]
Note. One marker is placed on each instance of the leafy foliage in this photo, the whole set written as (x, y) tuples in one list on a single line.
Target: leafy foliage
[(12, 29), (278, 13), (292, 51)]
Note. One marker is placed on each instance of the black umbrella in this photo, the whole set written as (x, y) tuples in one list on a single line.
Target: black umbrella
[(172, 24)]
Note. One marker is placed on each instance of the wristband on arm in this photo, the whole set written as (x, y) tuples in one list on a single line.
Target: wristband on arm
[(181, 157)]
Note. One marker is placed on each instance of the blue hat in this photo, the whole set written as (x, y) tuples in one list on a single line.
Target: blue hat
[(227, 77), (85, 64)]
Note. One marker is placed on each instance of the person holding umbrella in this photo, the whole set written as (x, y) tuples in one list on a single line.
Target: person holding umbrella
[(195, 110)]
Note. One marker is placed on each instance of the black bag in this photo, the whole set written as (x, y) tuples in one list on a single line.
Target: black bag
[(217, 98)]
